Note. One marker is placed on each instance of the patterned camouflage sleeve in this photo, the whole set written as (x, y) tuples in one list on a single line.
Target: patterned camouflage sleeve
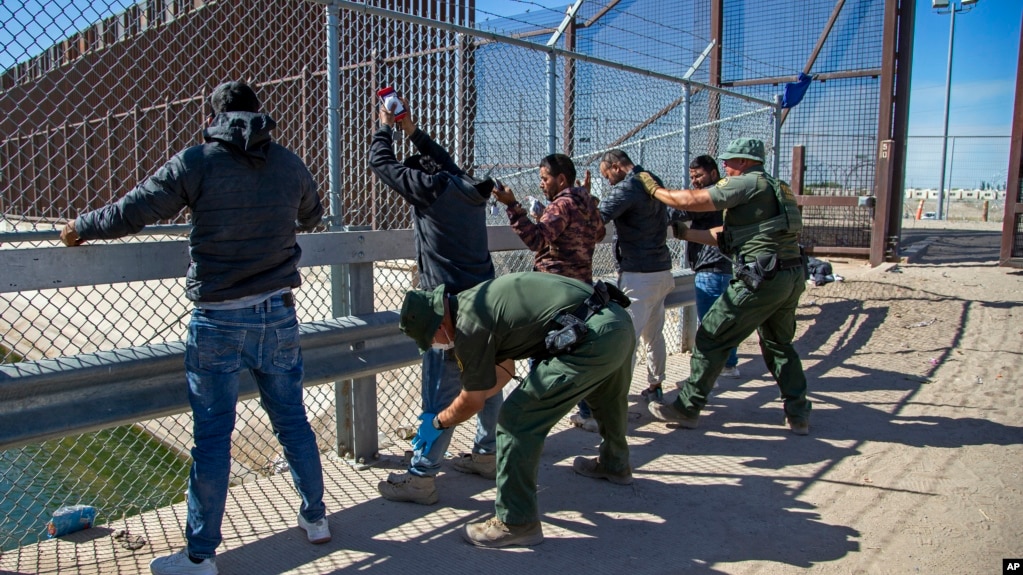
[(546, 231)]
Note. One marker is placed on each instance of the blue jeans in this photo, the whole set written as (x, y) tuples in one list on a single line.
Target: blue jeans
[(442, 381), (221, 343), (709, 287)]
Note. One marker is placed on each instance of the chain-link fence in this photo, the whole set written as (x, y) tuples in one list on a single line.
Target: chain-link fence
[(96, 95), (837, 121)]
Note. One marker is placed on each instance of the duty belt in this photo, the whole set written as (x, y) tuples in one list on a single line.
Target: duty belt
[(753, 271), (603, 293), (569, 328), (782, 264)]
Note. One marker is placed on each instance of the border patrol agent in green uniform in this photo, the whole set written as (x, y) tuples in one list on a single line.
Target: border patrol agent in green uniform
[(516, 316), (762, 223)]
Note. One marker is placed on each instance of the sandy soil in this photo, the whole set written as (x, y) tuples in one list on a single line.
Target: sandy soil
[(914, 461)]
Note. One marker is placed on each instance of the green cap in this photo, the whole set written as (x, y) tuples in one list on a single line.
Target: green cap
[(421, 314), (744, 148)]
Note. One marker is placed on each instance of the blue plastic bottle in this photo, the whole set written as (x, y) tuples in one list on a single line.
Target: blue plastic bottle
[(69, 519)]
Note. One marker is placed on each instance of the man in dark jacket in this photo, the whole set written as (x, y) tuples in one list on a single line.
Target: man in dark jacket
[(246, 195), (449, 210), (713, 270), (644, 262)]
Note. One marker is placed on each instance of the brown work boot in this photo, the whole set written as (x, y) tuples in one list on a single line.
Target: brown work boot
[(591, 467), (672, 414), (496, 533), (408, 487), (478, 463)]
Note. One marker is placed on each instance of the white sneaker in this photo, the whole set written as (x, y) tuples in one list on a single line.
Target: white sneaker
[(180, 564), (318, 532), (732, 372), (586, 423)]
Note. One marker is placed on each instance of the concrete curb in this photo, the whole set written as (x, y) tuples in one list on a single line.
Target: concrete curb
[(913, 252)]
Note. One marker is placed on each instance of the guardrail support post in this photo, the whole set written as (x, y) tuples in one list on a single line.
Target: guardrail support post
[(356, 399)]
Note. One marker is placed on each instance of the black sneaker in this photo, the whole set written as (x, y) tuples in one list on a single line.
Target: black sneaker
[(798, 426)]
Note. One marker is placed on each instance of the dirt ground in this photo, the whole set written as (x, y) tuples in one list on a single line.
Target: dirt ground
[(915, 456)]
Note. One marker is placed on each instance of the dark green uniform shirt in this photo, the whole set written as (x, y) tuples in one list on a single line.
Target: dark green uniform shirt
[(750, 199), (508, 318)]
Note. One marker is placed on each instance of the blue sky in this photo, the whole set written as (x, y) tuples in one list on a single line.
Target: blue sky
[(983, 65), (983, 69)]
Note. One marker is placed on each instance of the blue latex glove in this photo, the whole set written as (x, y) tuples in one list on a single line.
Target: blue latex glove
[(426, 435)]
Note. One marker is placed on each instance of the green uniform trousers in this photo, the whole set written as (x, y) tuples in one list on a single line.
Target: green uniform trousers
[(599, 370), (771, 311)]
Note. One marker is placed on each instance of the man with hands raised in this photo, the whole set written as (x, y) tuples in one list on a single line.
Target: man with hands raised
[(449, 222)]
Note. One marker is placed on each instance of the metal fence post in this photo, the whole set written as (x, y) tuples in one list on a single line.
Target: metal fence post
[(552, 104), (351, 286), (339, 274), (879, 244), (688, 320), (356, 399), (687, 94), (776, 162)]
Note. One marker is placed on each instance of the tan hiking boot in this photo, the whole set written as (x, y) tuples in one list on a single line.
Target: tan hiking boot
[(408, 487), (591, 467), (496, 533), (668, 412), (478, 463)]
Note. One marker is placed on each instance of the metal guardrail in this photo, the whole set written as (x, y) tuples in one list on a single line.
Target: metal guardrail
[(53, 398)]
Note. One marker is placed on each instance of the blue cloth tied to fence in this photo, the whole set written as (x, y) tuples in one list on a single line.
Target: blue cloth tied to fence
[(794, 91)]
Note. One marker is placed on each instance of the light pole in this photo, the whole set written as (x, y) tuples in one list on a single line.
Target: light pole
[(950, 7)]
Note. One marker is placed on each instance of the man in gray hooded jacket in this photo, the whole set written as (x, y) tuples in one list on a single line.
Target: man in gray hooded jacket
[(246, 195), (449, 221)]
